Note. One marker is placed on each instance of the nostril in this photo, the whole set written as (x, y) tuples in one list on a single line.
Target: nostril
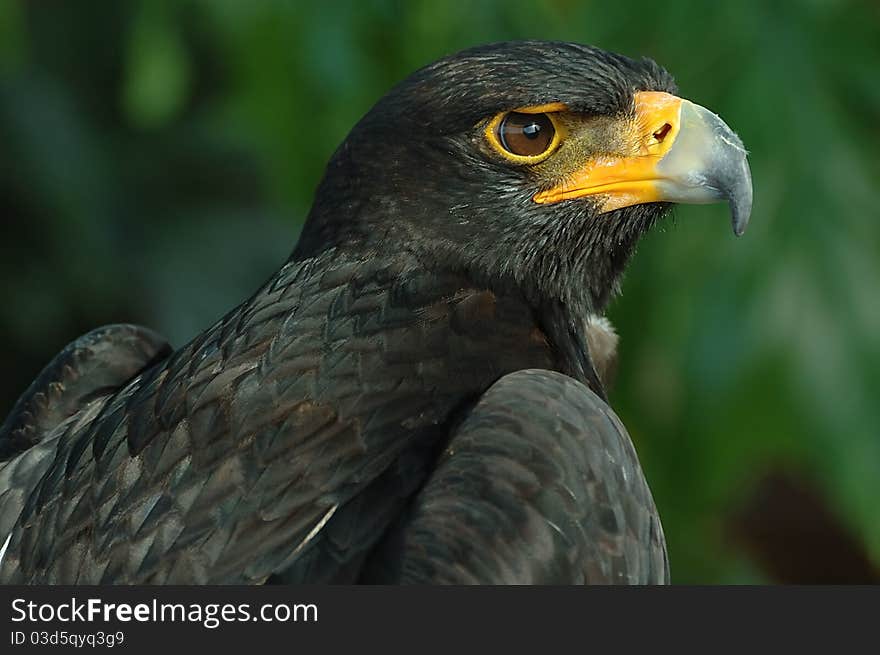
[(662, 132)]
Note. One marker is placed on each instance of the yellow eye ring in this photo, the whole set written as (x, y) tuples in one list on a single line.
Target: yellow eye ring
[(544, 115)]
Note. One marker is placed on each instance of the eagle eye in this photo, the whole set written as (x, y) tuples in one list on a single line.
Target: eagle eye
[(524, 137)]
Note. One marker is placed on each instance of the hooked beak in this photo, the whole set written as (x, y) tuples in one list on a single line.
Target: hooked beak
[(685, 154)]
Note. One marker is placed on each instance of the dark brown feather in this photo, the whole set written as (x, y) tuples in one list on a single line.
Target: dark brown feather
[(539, 485), (215, 465)]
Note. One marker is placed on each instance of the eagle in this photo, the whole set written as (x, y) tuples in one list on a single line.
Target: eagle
[(418, 394)]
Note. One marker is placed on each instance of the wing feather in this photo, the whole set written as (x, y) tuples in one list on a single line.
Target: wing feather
[(540, 484)]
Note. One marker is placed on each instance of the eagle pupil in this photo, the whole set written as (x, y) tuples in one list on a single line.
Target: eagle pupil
[(531, 131)]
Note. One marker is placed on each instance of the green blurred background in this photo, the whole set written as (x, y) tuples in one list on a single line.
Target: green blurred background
[(157, 160)]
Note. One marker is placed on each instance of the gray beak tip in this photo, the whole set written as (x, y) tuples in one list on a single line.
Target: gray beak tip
[(740, 198), (708, 163)]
